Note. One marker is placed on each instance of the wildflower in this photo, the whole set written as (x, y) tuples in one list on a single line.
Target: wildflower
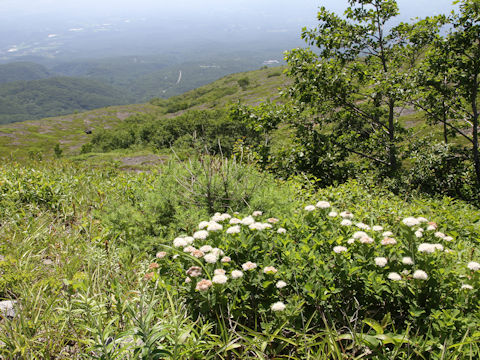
[(309, 208), (217, 252), (248, 220), (153, 266), (219, 279), (388, 241), (323, 205), (278, 306), (439, 235), (366, 240), (219, 272), (418, 233), (149, 276), (333, 214), (161, 254), (249, 266), (281, 284), (225, 259), (179, 242), (377, 228), (256, 226), (410, 221), (339, 249), (270, 270), (281, 230), (448, 238), (211, 258), (405, 272), (421, 219), (219, 217), (200, 235), (429, 248), (194, 271), (346, 222), (467, 287), (420, 275), (381, 261), (257, 213), (407, 260), (203, 285), (387, 234), (350, 241), (197, 253), (189, 240), (267, 225), (272, 220), (394, 276), (235, 221), (203, 224), (214, 226), (237, 274), (346, 215), (359, 234), (188, 280), (431, 226), (206, 248), (189, 249), (362, 226), (474, 266)]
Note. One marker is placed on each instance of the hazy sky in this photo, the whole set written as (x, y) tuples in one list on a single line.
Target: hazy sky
[(284, 8)]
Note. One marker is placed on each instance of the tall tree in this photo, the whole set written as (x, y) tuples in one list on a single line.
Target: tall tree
[(449, 78), (357, 77)]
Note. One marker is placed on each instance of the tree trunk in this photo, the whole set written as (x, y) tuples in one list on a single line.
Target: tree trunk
[(392, 150), (476, 158)]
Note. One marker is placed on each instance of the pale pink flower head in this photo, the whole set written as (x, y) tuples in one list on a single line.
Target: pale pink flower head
[(194, 271), (420, 275), (278, 306), (394, 276), (249, 266), (161, 254), (323, 204), (203, 285), (388, 241), (270, 270), (225, 259), (219, 279), (474, 266), (381, 261), (198, 253), (339, 249), (237, 274)]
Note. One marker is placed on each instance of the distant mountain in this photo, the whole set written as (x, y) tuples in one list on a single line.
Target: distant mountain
[(23, 71), (35, 99)]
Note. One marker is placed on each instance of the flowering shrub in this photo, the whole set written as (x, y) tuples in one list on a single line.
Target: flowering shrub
[(325, 261)]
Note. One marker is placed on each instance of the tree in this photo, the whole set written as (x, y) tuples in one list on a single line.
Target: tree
[(449, 79), (357, 82)]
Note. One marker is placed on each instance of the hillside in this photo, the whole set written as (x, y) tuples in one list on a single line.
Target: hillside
[(22, 71), (40, 136), (35, 99)]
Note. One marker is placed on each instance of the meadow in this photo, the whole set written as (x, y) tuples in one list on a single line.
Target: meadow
[(210, 258)]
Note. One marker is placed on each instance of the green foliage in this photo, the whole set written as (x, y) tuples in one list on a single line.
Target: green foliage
[(55, 96), (22, 71), (243, 83), (204, 129)]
